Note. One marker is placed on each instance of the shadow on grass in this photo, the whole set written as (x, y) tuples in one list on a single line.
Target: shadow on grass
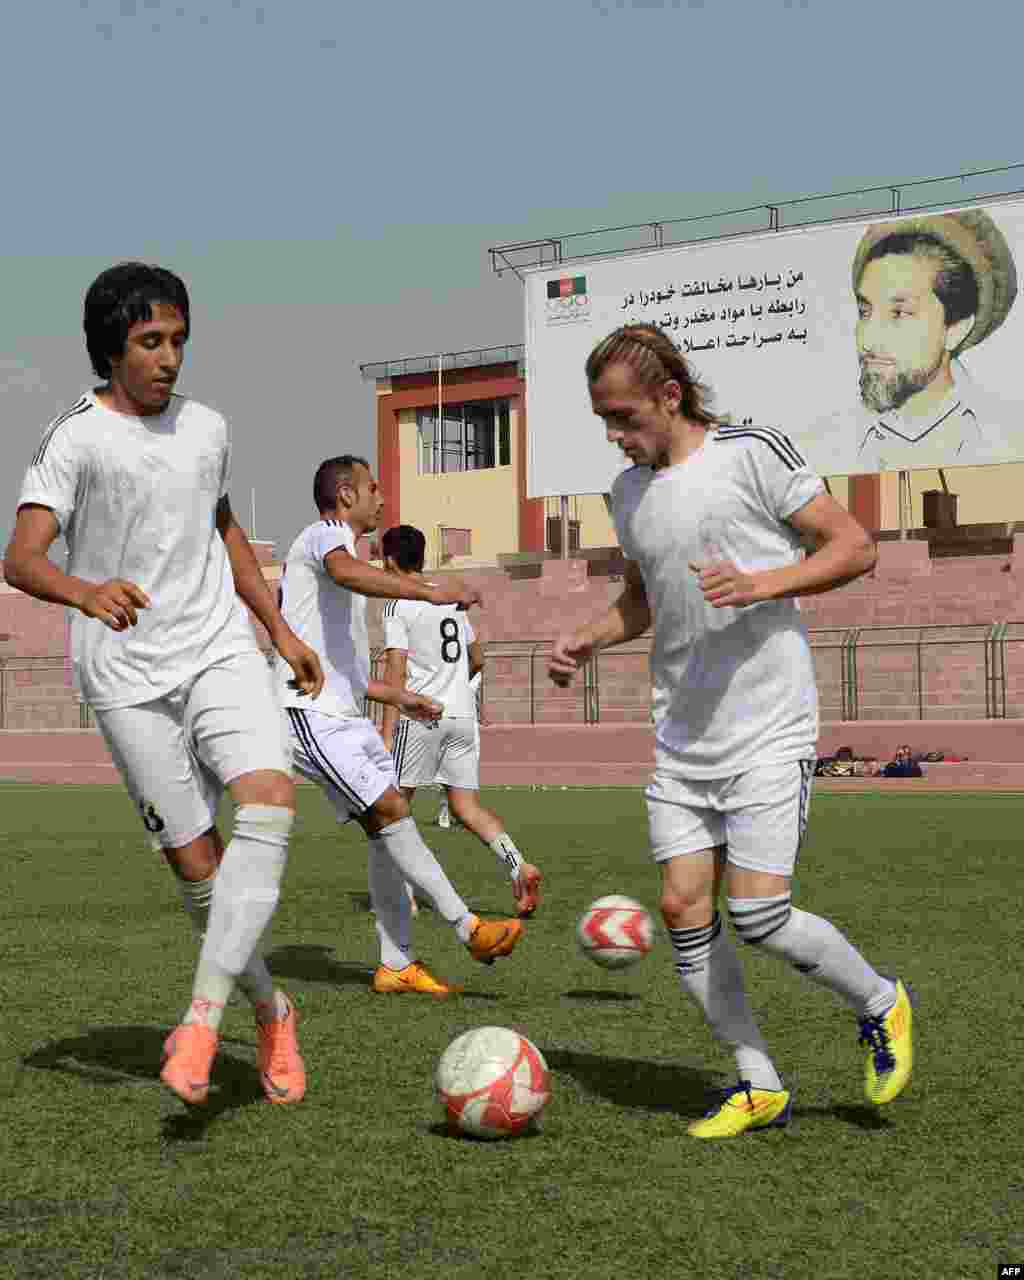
[(317, 964), (314, 963), (442, 1130), (865, 1117), (133, 1055), (633, 1083)]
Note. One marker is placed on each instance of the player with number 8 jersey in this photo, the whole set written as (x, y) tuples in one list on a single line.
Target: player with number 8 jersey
[(433, 651)]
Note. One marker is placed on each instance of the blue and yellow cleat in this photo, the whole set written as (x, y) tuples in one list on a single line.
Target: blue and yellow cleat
[(741, 1108), (890, 1049)]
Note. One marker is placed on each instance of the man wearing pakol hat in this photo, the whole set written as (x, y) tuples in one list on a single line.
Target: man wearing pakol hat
[(927, 289)]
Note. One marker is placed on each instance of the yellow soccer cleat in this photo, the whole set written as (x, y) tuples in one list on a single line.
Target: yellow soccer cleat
[(741, 1109), (890, 1049), (414, 977)]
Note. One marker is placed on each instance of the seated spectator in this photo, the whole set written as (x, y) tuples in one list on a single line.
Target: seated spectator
[(903, 765), (866, 768), (838, 766)]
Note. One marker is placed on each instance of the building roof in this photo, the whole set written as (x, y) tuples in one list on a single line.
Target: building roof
[(513, 352)]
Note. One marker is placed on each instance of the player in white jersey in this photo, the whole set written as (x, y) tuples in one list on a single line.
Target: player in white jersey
[(711, 519), (324, 592), (432, 649), (444, 813), (136, 479)]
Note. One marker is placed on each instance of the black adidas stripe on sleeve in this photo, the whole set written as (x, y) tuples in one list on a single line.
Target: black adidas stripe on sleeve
[(780, 444), (81, 406)]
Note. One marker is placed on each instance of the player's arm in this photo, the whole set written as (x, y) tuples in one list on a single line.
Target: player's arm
[(255, 591), (845, 551), (27, 566), (366, 579), (629, 617), (476, 659), (396, 663)]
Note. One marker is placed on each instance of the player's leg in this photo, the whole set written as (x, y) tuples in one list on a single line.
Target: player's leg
[(485, 824), (686, 835), (766, 822), (237, 731), (393, 834), (149, 745), (459, 769)]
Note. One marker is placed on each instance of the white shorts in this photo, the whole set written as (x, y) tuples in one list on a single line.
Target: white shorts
[(177, 753), (447, 752), (347, 759), (759, 816)]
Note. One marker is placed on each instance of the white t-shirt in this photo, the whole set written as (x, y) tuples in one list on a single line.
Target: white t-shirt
[(732, 688), (136, 498), (329, 618), (436, 638)]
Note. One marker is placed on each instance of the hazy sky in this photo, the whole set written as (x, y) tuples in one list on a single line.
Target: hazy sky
[(327, 177)]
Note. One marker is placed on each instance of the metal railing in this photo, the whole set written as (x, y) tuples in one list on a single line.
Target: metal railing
[(955, 671)]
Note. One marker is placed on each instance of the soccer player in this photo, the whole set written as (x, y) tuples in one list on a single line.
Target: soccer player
[(711, 520), (325, 586), (136, 479), (432, 649), (444, 813)]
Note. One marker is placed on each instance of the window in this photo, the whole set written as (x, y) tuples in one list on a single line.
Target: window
[(554, 531), (472, 437), (455, 542)]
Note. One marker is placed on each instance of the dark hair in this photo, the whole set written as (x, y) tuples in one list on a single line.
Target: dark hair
[(655, 359), (122, 296), (956, 285), (406, 545), (332, 473)]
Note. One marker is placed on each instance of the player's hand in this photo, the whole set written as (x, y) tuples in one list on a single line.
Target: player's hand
[(725, 586), (115, 603), (569, 652), (455, 591), (418, 707), (308, 673)]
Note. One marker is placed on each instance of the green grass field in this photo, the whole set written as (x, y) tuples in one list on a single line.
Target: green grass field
[(104, 1175)]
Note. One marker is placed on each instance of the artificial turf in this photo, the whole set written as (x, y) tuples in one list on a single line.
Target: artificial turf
[(104, 1175)]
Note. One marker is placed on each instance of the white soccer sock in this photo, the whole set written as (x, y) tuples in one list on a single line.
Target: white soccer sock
[(254, 981), (403, 844), (814, 947), (389, 900), (245, 893), (711, 975), (509, 858)]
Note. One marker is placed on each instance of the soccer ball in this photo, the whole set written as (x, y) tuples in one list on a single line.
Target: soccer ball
[(615, 932), (492, 1082)]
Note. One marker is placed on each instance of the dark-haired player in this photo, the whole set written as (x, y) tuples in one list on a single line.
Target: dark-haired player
[(136, 479), (431, 649), (710, 520)]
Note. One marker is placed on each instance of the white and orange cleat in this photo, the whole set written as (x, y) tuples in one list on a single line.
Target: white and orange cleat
[(282, 1071), (188, 1056)]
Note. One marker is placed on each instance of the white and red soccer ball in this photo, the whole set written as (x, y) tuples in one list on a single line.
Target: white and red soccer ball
[(615, 932), (492, 1083)]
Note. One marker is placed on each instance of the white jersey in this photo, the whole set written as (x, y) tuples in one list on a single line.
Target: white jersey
[(136, 498), (329, 618), (732, 688), (436, 638)]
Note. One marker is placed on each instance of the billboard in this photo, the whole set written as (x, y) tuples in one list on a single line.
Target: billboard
[(887, 344)]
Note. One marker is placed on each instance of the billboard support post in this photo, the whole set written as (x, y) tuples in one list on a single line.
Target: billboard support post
[(565, 526)]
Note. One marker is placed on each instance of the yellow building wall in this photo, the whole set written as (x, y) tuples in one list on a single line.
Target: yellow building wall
[(596, 528), (483, 501), (985, 495)]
